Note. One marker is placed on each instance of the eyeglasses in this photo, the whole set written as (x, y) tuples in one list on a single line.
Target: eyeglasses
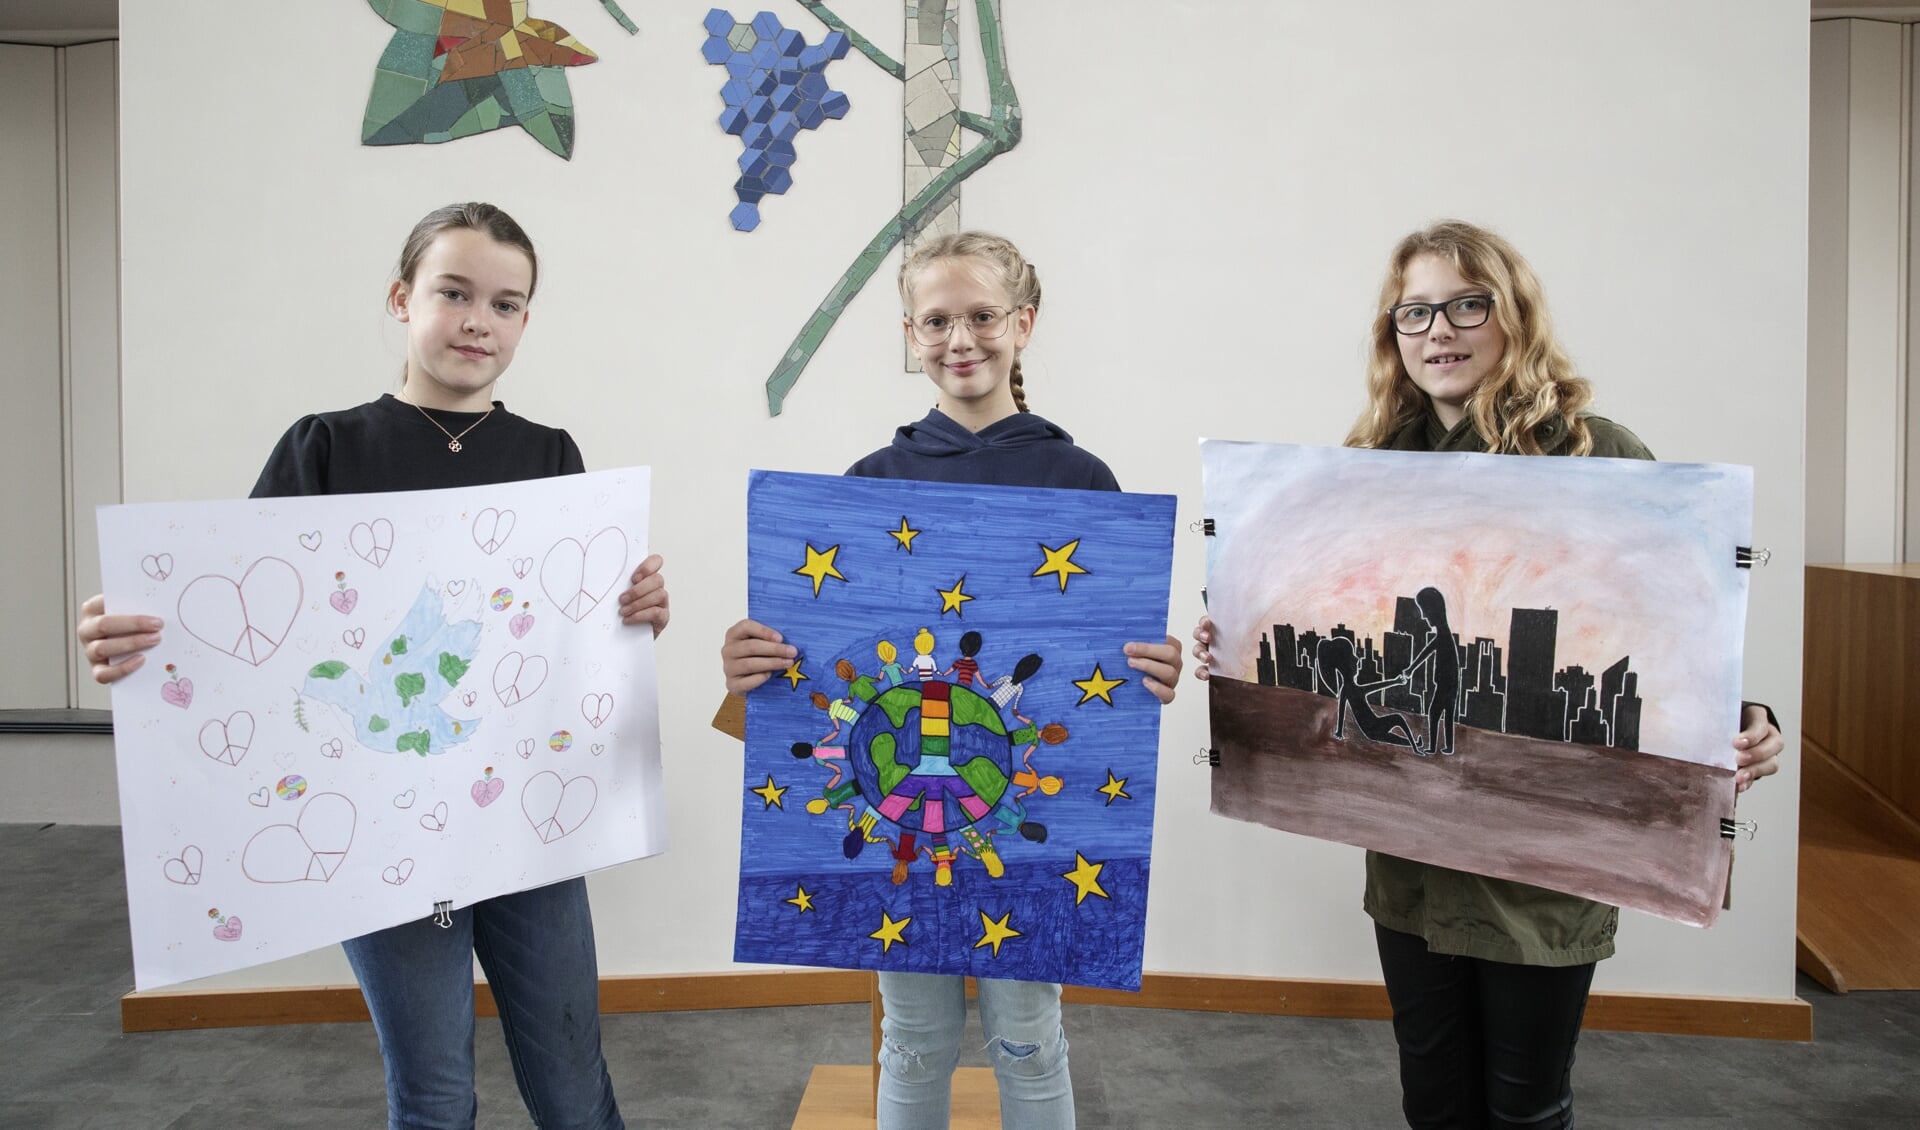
[(1463, 313), (985, 324)]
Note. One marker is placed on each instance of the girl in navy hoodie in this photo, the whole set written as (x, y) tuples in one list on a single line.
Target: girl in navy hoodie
[(970, 303)]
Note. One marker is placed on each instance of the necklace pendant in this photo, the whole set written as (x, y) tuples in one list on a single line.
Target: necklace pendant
[(453, 445)]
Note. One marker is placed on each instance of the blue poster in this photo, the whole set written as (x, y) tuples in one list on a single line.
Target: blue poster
[(957, 773)]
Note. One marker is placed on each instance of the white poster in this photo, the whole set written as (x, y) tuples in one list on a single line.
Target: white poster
[(367, 707)]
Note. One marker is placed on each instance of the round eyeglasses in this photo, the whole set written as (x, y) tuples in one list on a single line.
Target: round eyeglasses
[(1462, 313), (984, 324)]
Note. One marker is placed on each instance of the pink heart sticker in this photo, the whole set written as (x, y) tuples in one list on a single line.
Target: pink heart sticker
[(177, 692), (249, 618), (228, 931), (343, 601), (487, 791), (520, 625)]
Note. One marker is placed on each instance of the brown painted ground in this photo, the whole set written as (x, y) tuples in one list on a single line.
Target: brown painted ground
[(1625, 828)]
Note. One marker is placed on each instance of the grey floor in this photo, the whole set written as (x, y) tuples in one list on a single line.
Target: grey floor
[(65, 1064)]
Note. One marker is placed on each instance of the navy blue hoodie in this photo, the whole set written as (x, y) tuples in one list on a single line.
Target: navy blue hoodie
[(1023, 450)]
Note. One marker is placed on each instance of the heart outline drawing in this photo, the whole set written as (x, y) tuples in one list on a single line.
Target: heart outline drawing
[(248, 619), (260, 797), (332, 748), (228, 740), (487, 790), (310, 541), (404, 800), (354, 637), (159, 566), (310, 849), (372, 541), (399, 873), (435, 821), (491, 529), (596, 709), (521, 567), (184, 868), (555, 808), (576, 577), (599, 748), (525, 748), (516, 677)]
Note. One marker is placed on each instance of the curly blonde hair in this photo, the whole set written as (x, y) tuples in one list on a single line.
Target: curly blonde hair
[(1011, 269), (1532, 392)]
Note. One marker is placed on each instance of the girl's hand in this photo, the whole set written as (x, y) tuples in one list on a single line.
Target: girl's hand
[(1759, 747), (753, 652), (106, 638), (1202, 636), (646, 601), (1159, 663)]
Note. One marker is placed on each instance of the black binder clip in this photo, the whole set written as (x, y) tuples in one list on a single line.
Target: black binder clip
[(1201, 526), (1209, 757), (1729, 828), (443, 914), (1746, 557)]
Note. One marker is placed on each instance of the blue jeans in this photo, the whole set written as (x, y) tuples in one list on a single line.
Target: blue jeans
[(537, 950), (920, 1047)]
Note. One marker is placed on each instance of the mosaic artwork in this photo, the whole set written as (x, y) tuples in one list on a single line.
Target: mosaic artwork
[(776, 87), (1540, 682), (935, 161), (455, 68), (957, 775)]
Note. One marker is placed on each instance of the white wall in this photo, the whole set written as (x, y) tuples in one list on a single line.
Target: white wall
[(1209, 191)]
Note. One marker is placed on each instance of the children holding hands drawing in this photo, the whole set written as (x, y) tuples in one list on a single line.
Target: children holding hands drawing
[(1488, 978), (971, 301), (466, 279)]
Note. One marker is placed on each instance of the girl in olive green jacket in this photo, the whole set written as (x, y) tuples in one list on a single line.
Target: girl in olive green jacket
[(1488, 978)]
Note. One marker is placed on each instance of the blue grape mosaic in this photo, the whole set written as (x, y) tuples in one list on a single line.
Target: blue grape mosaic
[(776, 86)]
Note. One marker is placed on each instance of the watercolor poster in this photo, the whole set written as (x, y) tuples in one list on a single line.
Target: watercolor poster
[(367, 708), (1527, 668), (957, 773)]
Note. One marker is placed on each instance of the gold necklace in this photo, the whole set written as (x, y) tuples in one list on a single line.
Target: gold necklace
[(453, 441)]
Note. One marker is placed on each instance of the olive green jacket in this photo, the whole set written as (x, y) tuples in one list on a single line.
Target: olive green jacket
[(1472, 915)]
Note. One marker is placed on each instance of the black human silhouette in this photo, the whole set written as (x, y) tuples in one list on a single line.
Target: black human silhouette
[(1335, 661), (1445, 685)]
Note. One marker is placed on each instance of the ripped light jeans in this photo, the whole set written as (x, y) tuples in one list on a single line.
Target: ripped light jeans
[(920, 1047)]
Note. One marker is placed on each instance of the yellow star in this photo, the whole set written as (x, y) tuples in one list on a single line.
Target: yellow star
[(952, 599), (819, 566), (793, 675), (1115, 788), (1059, 561), (1096, 685), (1085, 876), (905, 534), (771, 793), (996, 932), (889, 931), (803, 900)]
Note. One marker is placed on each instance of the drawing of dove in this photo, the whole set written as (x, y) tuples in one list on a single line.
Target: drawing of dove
[(395, 705)]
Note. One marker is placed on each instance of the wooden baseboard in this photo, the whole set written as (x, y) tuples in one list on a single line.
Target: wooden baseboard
[(667, 992)]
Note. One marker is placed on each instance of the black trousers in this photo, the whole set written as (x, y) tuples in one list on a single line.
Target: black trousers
[(1484, 1045)]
